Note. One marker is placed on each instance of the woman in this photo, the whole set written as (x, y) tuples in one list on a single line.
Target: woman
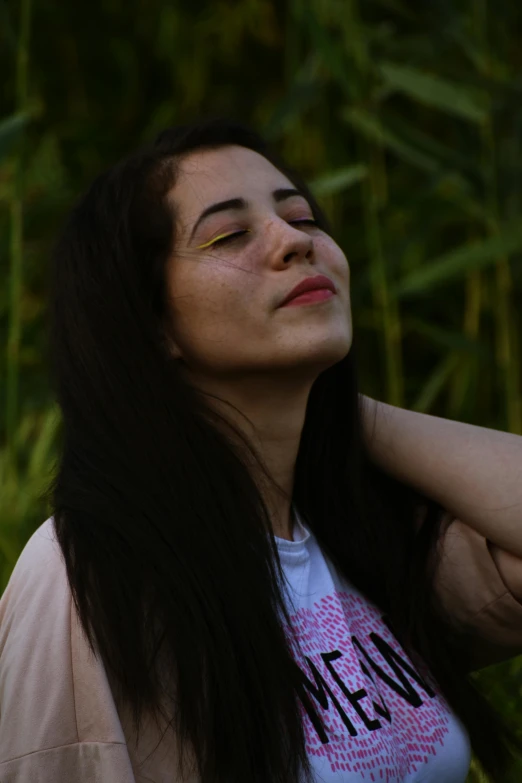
[(243, 577)]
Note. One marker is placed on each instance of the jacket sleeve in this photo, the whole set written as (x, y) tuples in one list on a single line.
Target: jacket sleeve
[(474, 593), (85, 762), (58, 721)]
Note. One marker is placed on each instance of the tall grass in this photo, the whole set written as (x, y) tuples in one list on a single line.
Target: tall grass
[(508, 360), (16, 248)]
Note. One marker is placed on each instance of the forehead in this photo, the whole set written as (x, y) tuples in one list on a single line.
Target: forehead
[(205, 176)]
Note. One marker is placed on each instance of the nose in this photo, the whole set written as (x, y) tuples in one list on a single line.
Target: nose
[(295, 243)]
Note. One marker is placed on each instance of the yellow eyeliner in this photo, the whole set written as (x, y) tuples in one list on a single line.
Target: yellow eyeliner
[(215, 239)]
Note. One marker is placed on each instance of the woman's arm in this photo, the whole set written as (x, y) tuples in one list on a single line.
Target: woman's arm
[(473, 472), (476, 596)]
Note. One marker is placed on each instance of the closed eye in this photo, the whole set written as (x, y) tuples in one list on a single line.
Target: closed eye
[(237, 234)]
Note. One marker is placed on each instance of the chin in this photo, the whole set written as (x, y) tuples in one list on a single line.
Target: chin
[(323, 357)]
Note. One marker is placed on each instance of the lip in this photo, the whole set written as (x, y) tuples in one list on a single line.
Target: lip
[(309, 284)]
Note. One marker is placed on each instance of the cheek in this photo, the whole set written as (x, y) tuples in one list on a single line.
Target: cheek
[(334, 259), (206, 308)]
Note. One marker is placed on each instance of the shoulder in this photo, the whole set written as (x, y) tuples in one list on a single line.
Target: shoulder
[(37, 595), (53, 692)]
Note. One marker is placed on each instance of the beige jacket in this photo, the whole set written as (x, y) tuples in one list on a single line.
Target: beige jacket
[(59, 722)]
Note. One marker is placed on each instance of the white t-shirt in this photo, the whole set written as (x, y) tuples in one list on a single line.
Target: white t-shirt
[(385, 720)]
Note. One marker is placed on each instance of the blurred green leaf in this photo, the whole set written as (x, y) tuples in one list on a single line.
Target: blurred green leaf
[(397, 7), (455, 157), (435, 382), (375, 130), (459, 100), (456, 341), (10, 130), (7, 34), (43, 444), (333, 56), (162, 117), (303, 93), (46, 170), (335, 181), (457, 191), (457, 262)]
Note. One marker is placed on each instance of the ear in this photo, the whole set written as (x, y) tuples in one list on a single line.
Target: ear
[(168, 342), (173, 349)]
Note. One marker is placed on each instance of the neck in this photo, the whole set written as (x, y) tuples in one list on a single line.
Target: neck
[(272, 418)]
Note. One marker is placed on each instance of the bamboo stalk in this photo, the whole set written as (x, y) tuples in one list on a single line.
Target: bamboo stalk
[(16, 247), (507, 359), (383, 301), (291, 50), (462, 379), (375, 196)]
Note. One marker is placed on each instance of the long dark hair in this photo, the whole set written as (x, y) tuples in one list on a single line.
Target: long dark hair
[(167, 541)]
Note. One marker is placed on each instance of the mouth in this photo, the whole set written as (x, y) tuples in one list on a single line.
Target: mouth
[(308, 286), (310, 297)]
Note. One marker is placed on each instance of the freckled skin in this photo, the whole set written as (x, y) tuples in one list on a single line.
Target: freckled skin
[(224, 297)]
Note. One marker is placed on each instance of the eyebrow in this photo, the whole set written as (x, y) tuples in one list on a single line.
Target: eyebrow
[(281, 194)]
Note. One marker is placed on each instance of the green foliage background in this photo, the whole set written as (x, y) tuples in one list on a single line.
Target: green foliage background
[(405, 116)]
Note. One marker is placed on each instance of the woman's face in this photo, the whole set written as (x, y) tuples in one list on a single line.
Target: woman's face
[(225, 295)]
